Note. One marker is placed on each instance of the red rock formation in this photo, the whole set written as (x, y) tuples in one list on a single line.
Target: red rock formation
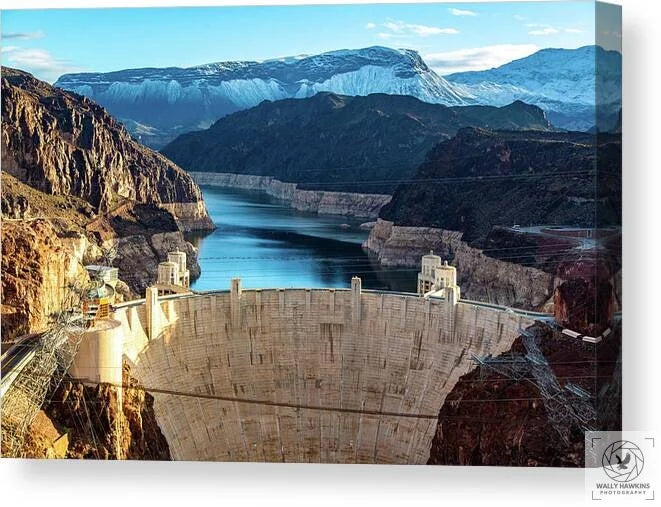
[(99, 429), (36, 269), (67, 165), (584, 306), (490, 419), (64, 144)]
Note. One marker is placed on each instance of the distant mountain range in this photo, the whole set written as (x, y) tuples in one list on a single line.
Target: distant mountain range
[(157, 104), (560, 81), (334, 142)]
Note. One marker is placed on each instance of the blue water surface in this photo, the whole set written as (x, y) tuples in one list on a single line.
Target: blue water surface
[(269, 245)]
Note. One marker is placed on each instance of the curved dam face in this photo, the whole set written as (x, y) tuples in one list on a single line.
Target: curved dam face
[(295, 375)]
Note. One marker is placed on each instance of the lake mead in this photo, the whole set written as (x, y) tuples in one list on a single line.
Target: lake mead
[(268, 244)]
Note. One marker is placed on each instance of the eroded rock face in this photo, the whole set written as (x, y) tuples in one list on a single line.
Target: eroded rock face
[(44, 255), (481, 277), (64, 144), (37, 267), (74, 182), (112, 431), (490, 419), (584, 305), (138, 257), (482, 178)]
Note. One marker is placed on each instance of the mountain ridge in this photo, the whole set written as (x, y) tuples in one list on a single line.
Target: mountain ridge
[(328, 141), (157, 104), (175, 100), (561, 81), (512, 178), (85, 152)]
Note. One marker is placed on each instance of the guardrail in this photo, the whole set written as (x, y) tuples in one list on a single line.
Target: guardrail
[(529, 313)]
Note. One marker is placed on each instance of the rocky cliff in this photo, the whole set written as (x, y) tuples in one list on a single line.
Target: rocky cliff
[(315, 201), (560, 81), (37, 267), (338, 143), (470, 195), (490, 419), (482, 178), (47, 239), (74, 182), (96, 426), (64, 144)]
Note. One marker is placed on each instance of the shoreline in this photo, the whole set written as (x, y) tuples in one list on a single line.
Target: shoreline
[(323, 202)]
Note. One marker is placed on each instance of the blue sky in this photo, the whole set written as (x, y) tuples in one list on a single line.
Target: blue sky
[(450, 37)]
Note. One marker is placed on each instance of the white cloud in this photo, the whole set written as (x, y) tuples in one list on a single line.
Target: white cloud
[(370, 26), (23, 35), (38, 62), (400, 29), (462, 12), (543, 30), (480, 58), (518, 17)]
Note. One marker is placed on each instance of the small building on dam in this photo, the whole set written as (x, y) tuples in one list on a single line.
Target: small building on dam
[(297, 375)]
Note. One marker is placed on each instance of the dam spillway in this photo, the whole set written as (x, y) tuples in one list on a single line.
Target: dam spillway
[(306, 375)]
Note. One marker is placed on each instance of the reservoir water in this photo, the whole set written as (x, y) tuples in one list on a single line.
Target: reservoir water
[(269, 245)]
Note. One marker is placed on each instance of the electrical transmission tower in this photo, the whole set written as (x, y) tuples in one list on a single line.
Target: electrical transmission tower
[(44, 363), (566, 406)]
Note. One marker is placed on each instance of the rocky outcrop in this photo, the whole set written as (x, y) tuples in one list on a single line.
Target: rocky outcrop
[(490, 419), (44, 440), (138, 257), (47, 240), (74, 182), (37, 269), (64, 144), (584, 304), (481, 183), (99, 427), (481, 178), (142, 235), (315, 201), (481, 277)]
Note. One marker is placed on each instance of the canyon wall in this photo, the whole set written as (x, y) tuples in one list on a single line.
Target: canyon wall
[(37, 268), (83, 421), (315, 201), (64, 144), (482, 278), (74, 182), (48, 239), (510, 426), (296, 375), (362, 144)]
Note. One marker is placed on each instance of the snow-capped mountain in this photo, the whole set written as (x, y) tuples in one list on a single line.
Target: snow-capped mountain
[(560, 81), (158, 104)]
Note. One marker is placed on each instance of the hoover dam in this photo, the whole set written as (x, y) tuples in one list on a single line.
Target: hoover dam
[(297, 375)]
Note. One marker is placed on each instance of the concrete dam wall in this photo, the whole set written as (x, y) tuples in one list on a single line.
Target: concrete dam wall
[(299, 375)]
